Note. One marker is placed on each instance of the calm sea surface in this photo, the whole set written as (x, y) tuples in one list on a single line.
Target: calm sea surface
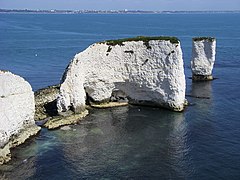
[(131, 142)]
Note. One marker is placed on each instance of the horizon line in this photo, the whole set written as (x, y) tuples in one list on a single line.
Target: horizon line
[(126, 10)]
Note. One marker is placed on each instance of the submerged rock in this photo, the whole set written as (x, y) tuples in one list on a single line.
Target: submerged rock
[(17, 109), (146, 70), (96, 131), (203, 58), (62, 120), (66, 128), (109, 105)]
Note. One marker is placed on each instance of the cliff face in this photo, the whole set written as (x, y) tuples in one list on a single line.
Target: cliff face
[(147, 72), (17, 109), (203, 57)]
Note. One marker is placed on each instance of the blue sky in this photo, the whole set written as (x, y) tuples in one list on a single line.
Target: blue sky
[(122, 4)]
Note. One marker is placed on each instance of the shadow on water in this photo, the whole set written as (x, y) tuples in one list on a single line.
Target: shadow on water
[(202, 89), (201, 95), (200, 114)]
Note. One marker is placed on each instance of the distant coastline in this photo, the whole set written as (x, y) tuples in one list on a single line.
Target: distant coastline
[(54, 11)]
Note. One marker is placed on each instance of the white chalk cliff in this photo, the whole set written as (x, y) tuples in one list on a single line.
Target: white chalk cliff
[(203, 56), (17, 109), (149, 70)]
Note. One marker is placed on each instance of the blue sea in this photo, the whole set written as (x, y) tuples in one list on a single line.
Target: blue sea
[(130, 142)]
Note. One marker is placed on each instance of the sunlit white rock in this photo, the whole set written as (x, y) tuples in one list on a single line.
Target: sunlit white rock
[(203, 57), (148, 72), (17, 109)]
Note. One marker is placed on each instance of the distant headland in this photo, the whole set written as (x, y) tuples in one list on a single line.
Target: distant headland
[(125, 11)]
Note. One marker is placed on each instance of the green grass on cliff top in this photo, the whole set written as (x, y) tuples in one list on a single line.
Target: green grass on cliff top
[(145, 39), (211, 39)]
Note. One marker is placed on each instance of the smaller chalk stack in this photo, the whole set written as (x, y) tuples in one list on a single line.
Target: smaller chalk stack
[(203, 58)]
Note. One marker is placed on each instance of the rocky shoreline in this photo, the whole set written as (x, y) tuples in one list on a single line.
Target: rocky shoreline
[(15, 140)]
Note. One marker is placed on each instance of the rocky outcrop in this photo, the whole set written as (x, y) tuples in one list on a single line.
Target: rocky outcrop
[(142, 70), (46, 114), (45, 102), (64, 119), (203, 58), (17, 109)]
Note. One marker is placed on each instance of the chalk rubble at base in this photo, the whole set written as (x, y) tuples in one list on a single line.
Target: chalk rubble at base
[(17, 109), (149, 73), (203, 58)]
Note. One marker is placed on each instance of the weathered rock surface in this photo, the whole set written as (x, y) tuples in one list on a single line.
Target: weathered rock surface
[(17, 109), (148, 70), (203, 58), (45, 102), (67, 119), (46, 114)]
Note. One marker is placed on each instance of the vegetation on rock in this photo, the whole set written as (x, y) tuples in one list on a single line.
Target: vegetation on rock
[(211, 39), (145, 39)]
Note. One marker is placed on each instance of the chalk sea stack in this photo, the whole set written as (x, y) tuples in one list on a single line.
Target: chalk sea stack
[(203, 58), (17, 108), (140, 70)]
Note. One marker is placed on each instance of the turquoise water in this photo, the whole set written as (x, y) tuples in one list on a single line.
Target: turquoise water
[(128, 142)]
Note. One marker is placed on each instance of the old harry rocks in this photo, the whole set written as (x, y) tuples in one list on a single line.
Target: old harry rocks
[(203, 58), (147, 70), (143, 71)]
